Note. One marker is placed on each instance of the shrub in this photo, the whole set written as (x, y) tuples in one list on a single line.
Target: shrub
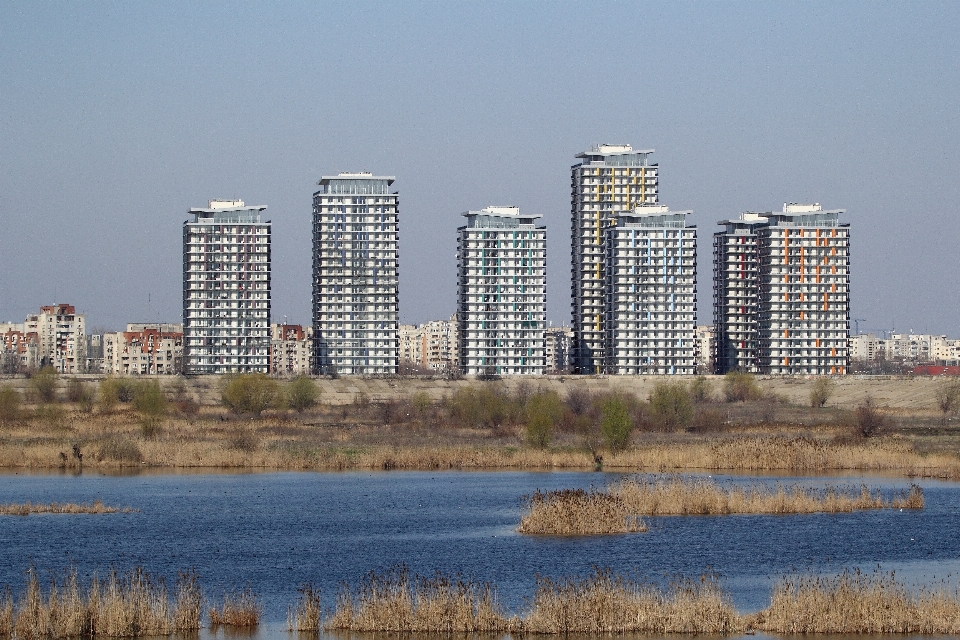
[(821, 392), (77, 391), (302, 394), (948, 398), (740, 387), (544, 411), (120, 449), (9, 405), (245, 440), (868, 421), (149, 401), (707, 419), (615, 423), (701, 389), (249, 393), (670, 405), (44, 384), (479, 406), (51, 415), (114, 390)]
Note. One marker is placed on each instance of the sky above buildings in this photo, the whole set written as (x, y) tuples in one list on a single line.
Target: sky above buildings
[(116, 118)]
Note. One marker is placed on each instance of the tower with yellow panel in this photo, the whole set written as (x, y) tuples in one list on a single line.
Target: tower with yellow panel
[(609, 179)]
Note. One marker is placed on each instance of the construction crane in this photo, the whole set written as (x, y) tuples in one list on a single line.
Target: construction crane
[(856, 324)]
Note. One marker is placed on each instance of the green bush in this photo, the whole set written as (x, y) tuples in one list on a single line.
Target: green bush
[(151, 404), (671, 406), (9, 405), (44, 384), (740, 387), (544, 411), (302, 394), (51, 415), (615, 423), (249, 393), (701, 389), (821, 392)]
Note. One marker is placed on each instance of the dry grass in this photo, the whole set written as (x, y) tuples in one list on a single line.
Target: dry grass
[(119, 606), (857, 603), (604, 603), (576, 512), (701, 496), (397, 602), (241, 609), (27, 508), (306, 615), (618, 509)]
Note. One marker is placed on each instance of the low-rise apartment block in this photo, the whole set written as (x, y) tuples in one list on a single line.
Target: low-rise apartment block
[(144, 349), (58, 332), (432, 345), (558, 349), (291, 348)]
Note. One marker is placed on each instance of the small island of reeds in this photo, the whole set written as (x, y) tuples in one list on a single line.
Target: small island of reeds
[(26, 508), (618, 509)]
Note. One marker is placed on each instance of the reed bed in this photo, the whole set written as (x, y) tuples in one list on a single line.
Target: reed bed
[(619, 508), (576, 512), (604, 603), (26, 508), (306, 614), (858, 603), (397, 602), (118, 606), (241, 609), (702, 496)]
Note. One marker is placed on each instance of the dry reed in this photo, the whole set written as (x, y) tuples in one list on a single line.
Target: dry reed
[(119, 606), (306, 615), (604, 603), (26, 508), (397, 602), (854, 602), (241, 609), (576, 512), (701, 496), (618, 509)]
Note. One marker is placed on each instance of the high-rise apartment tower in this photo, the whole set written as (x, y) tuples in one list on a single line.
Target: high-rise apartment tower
[(501, 292), (650, 280), (355, 275), (226, 289), (608, 180), (784, 306)]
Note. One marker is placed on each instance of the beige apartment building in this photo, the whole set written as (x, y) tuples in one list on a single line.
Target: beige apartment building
[(432, 345), (58, 332), (290, 348), (144, 349)]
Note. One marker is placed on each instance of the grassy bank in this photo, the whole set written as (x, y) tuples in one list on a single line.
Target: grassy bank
[(468, 425), (619, 508)]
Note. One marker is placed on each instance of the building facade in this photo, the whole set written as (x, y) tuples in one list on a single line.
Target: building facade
[(355, 275), (608, 180), (144, 349), (558, 349), (704, 350), (793, 318), (650, 281), (736, 297), (55, 337), (226, 289), (432, 345), (291, 346), (501, 292)]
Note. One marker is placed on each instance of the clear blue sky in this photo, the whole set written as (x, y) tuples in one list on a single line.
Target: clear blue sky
[(115, 118)]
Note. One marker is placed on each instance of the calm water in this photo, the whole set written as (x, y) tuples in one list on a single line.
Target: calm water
[(277, 531)]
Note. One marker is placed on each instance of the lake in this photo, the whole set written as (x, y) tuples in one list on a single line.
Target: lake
[(276, 531)]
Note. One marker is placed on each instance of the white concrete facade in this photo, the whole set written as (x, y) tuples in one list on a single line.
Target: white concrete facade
[(650, 280), (610, 179), (144, 349), (226, 289), (501, 292), (355, 275)]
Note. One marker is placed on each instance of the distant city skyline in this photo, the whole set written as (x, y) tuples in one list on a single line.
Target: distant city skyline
[(119, 118)]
